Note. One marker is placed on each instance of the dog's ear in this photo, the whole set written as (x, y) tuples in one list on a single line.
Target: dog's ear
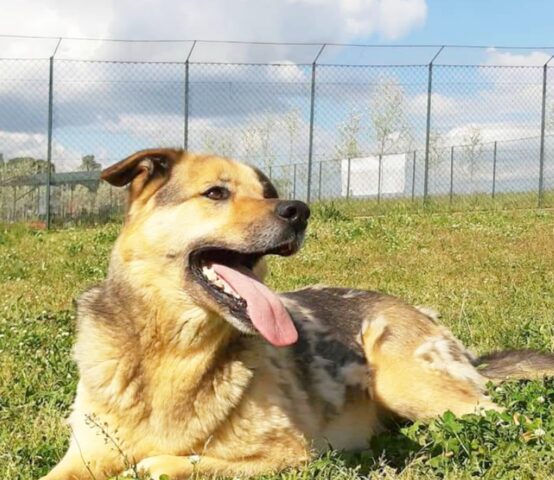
[(142, 169)]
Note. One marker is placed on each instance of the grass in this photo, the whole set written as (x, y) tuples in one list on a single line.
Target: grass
[(443, 203), (490, 273)]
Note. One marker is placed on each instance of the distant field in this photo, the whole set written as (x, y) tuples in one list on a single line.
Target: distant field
[(478, 202), (490, 274)]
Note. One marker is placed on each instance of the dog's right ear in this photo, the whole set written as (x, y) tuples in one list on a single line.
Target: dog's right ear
[(145, 171)]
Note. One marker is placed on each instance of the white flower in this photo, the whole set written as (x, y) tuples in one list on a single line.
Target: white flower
[(539, 432), (540, 400), (194, 459)]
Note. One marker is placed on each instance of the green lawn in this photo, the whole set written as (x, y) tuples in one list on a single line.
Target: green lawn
[(490, 273)]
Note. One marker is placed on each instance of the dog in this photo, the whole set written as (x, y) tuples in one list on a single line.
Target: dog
[(189, 364)]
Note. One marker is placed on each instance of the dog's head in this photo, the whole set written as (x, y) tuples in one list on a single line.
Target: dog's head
[(200, 227)]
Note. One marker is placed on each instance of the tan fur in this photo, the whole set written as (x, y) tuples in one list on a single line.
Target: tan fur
[(420, 369), (168, 384)]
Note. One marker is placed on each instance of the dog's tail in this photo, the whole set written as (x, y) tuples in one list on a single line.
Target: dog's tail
[(516, 365)]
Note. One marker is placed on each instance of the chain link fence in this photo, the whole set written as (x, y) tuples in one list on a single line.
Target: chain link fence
[(372, 127)]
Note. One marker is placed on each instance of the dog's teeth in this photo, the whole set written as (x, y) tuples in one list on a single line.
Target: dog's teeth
[(218, 282), (229, 291), (209, 273)]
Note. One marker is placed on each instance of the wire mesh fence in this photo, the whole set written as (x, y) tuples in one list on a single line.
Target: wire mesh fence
[(371, 126)]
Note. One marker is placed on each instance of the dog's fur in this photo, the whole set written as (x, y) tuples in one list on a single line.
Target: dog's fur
[(172, 381)]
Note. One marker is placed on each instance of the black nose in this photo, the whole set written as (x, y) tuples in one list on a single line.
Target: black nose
[(294, 212)]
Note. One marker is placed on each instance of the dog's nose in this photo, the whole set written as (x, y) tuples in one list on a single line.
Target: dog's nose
[(294, 212)]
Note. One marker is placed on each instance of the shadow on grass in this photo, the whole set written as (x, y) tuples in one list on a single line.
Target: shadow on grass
[(391, 448)]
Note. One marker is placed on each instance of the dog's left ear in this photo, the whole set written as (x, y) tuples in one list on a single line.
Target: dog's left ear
[(144, 170)]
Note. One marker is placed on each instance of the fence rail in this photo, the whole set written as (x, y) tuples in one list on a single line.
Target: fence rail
[(403, 124)]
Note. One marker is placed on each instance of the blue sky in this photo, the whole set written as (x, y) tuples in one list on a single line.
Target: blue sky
[(486, 22)]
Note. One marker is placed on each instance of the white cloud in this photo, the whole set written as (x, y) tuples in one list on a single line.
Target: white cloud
[(22, 144), (389, 19), (56, 17), (506, 105), (246, 20), (398, 17), (286, 134), (509, 59), (126, 104), (441, 105), (501, 97), (164, 130), (99, 98), (491, 131)]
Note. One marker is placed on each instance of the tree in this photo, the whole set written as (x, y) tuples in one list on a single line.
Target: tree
[(391, 131), (256, 142), (264, 133), (473, 148), (549, 124), (89, 164), (249, 140), (28, 165), (292, 124), (219, 143), (349, 131), (22, 167), (436, 147)]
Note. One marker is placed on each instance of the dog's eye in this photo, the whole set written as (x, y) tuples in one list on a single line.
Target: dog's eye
[(217, 193)]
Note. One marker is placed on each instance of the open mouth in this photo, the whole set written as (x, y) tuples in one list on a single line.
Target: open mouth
[(228, 277)]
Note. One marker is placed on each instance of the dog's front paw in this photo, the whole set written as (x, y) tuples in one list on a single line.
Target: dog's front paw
[(140, 471), (132, 474), (163, 467)]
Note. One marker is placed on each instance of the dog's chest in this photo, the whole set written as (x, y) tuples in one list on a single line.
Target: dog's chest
[(187, 406)]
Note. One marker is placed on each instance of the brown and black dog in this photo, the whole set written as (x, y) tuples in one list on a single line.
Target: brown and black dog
[(189, 364)]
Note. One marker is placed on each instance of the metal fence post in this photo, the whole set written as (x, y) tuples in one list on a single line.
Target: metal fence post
[(451, 174), (50, 128), (187, 90), (49, 151), (311, 138), (494, 170), (186, 126), (413, 176), (379, 179), (428, 125), (348, 180), (543, 128)]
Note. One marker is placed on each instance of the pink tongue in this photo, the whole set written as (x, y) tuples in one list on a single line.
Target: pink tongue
[(264, 307)]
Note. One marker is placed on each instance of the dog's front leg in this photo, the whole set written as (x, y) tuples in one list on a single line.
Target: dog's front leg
[(180, 468), (74, 467), (90, 460)]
